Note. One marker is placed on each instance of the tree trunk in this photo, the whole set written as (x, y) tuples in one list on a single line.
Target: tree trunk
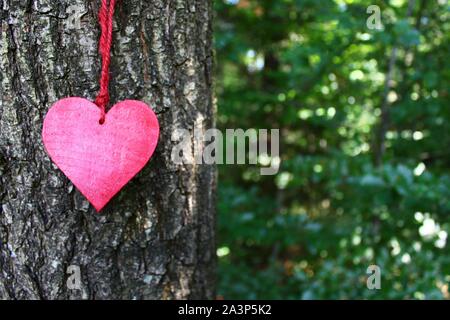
[(155, 239)]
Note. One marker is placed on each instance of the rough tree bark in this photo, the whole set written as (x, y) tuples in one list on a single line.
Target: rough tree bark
[(155, 239)]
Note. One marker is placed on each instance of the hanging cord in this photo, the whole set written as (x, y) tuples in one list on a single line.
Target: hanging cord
[(105, 17)]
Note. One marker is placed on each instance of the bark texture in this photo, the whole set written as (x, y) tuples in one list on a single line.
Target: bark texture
[(155, 239)]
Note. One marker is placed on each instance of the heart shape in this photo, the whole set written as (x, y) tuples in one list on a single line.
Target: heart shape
[(100, 159)]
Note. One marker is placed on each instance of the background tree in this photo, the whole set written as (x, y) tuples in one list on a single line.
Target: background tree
[(364, 175), (156, 238)]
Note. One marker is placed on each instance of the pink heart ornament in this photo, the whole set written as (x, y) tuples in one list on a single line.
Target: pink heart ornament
[(100, 159)]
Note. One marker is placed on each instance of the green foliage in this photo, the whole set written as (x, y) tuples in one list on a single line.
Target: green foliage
[(313, 69)]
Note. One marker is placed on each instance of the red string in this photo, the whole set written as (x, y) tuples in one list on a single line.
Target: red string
[(105, 17)]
